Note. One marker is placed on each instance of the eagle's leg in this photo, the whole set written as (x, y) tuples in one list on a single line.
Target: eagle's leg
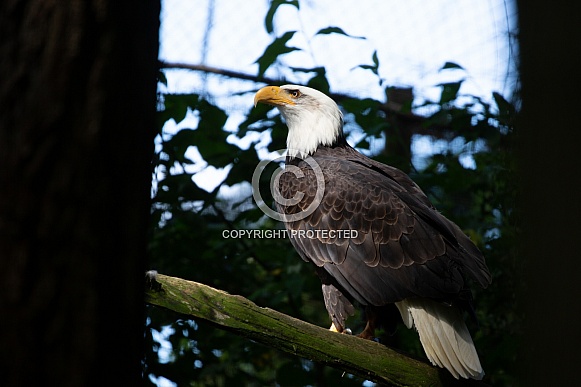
[(338, 306), (369, 331)]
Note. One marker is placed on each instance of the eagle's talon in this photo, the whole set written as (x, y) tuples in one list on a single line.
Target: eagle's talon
[(345, 331)]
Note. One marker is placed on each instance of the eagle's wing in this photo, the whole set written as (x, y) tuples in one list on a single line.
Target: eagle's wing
[(395, 245)]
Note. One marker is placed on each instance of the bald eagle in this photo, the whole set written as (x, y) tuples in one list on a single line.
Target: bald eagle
[(396, 248)]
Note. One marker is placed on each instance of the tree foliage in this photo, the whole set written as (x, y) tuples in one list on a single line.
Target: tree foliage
[(471, 179)]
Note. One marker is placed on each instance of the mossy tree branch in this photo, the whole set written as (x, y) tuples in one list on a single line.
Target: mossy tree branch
[(367, 359)]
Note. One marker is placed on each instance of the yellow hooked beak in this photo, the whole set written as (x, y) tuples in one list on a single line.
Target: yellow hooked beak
[(273, 95)]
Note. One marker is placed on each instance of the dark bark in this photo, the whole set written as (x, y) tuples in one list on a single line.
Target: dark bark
[(77, 105), (549, 129)]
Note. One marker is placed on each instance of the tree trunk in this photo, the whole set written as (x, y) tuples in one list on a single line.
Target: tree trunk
[(549, 132), (77, 105)]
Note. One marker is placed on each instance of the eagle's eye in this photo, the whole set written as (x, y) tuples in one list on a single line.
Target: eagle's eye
[(294, 93)]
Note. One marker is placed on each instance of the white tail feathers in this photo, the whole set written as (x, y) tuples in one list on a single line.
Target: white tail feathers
[(443, 335)]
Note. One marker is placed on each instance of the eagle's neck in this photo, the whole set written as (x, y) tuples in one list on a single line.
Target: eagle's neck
[(312, 129)]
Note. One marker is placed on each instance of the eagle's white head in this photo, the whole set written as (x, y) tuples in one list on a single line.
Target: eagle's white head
[(313, 119)]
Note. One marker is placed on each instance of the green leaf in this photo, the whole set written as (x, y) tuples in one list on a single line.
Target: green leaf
[(274, 4), (161, 78), (178, 144), (319, 81), (212, 119), (505, 109), (367, 114), (174, 187), (307, 69), (277, 48), (210, 137), (278, 134), (367, 67), (449, 91), (374, 67), (451, 65), (257, 114), (176, 105), (363, 144), (336, 30), (243, 166), (374, 58), (217, 154)]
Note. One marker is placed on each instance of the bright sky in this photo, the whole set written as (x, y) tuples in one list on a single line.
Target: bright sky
[(413, 40)]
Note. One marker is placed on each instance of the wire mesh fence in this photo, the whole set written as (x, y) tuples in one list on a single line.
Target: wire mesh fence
[(413, 40), (210, 48)]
